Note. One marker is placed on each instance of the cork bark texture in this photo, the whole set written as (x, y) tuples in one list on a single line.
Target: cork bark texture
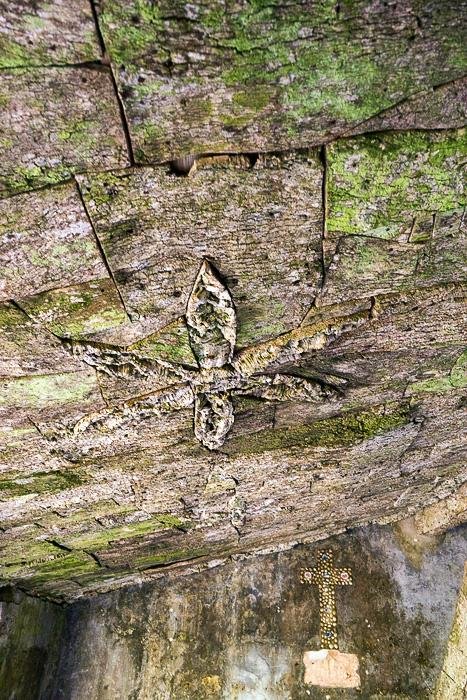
[(326, 197)]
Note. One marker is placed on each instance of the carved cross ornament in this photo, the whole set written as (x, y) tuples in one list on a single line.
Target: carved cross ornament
[(222, 372), (328, 667), (327, 577)]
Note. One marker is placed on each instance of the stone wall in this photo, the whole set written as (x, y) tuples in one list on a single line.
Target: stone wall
[(239, 631)]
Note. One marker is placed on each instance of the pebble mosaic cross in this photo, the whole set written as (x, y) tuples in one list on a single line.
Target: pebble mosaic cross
[(327, 577), (222, 373)]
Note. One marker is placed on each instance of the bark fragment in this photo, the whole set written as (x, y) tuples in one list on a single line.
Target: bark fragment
[(55, 122)]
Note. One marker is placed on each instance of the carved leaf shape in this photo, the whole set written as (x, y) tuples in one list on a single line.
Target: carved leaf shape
[(116, 362), (211, 319), (213, 419), (289, 347), (282, 387)]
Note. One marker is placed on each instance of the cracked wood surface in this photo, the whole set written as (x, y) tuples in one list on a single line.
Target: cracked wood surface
[(222, 374), (371, 225), (46, 33), (230, 77), (262, 228), (55, 122), (145, 494), (47, 242)]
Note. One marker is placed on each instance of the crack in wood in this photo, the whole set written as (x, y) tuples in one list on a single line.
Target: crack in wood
[(101, 249), (121, 108)]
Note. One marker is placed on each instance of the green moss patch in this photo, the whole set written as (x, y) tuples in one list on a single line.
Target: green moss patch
[(97, 541), (257, 321), (132, 27), (339, 431), (78, 311), (92, 512), (65, 567), (377, 183), (26, 551), (457, 379), (40, 391), (41, 482), (171, 343), (31, 177), (191, 75)]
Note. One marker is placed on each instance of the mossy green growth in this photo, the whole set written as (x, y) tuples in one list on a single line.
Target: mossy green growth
[(63, 567), (100, 539), (101, 189), (25, 178), (247, 104), (36, 46), (76, 132), (193, 74), (258, 323), (171, 343), (339, 431), (12, 486), (458, 374), (15, 55), (327, 73), (130, 29), (44, 390), (78, 311), (91, 513), (377, 183), (457, 379), (147, 135), (27, 551), (268, 49)]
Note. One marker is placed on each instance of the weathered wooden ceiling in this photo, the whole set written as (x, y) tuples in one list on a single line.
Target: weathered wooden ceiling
[(326, 204)]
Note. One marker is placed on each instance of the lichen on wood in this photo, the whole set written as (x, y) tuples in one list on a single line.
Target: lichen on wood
[(247, 77), (328, 316), (56, 122), (46, 33), (234, 218)]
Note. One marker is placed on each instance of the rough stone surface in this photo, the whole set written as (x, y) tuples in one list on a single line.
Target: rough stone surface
[(440, 107), (441, 516), (452, 681), (55, 122), (46, 243), (240, 77), (30, 643), (232, 325), (239, 631), (383, 185)]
